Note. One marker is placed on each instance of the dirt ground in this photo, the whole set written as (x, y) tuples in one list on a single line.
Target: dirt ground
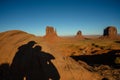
[(74, 59)]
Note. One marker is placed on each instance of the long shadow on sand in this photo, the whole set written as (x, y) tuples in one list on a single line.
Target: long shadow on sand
[(105, 58), (33, 64), (4, 71)]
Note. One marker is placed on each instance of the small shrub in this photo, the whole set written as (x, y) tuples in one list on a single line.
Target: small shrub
[(117, 60)]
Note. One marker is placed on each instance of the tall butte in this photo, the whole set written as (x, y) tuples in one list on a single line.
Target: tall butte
[(79, 35), (110, 32), (50, 33)]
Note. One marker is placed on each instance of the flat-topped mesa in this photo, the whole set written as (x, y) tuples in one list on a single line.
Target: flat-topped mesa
[(110, 32), (79, 35), (50, 32)]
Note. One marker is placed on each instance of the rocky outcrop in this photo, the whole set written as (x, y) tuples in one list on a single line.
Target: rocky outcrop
[(79, 35), (110, 32), (9, 41), (51, 35), (50, 32)]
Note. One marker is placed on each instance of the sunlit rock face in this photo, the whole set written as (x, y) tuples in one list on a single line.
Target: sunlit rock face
[(51, 34), (110, 31), (50, 31)]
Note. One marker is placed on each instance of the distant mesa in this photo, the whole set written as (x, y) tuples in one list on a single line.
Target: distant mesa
[(79, 35), (51, 33), (110, 32)]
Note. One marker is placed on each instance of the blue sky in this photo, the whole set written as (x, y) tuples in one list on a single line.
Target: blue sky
[(67, 16)]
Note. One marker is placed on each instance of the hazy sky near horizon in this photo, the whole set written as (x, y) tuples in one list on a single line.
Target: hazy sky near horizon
[(67, 16)]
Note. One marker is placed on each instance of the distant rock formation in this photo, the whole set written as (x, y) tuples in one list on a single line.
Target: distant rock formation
[(110, 32), (79, 35), (50, 32)]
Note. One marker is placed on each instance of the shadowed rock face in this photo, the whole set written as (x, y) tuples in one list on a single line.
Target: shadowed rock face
[(79, 33), (110, 31)]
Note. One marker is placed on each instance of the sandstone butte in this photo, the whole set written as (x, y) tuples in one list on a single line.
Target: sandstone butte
[(50, 32), (110, 32), (79, 35), (51, 35)]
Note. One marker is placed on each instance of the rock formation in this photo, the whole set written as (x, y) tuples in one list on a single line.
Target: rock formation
[(50, 32), (110, 32), (9, 41), (51, 35), (79, 35)]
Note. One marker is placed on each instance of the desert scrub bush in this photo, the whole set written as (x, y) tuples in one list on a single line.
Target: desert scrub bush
[(117, 60), (105, 47), (73, 46), (93, 44)]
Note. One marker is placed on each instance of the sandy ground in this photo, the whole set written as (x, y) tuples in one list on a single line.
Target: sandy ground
[(65, 67)]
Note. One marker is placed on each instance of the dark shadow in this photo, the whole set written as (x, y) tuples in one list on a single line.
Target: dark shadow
[(43, 68), (117, 41), (4, 71), (105, 58), (105, 79), (21, 63), (32, 64)]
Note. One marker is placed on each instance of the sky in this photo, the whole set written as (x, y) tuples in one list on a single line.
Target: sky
[(66, 16)]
